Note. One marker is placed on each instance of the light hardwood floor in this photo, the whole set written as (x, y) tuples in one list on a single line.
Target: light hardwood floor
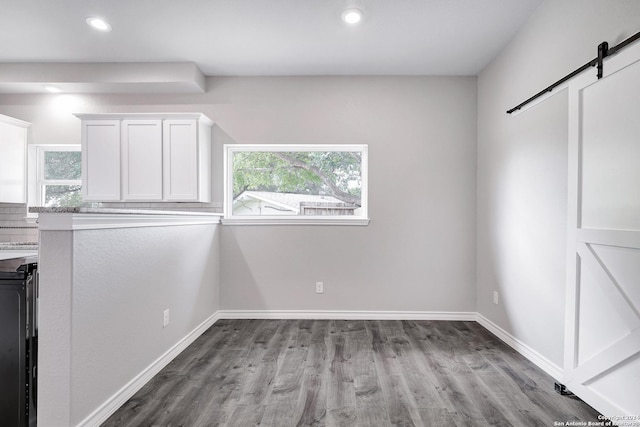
[(341, 373)]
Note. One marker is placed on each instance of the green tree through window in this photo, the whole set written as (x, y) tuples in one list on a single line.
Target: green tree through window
[(335, 173), (61, 167), (296, 183)]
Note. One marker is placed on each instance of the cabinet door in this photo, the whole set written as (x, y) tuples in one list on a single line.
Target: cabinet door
[(142, 160), (101, 160), (13, 145), (180, 144)]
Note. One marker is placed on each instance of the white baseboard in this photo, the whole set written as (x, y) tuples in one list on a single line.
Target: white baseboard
[(112, 404), (346, 315), (539, 360)]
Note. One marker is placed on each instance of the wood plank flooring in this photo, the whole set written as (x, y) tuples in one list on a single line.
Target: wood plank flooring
[(349, 373)]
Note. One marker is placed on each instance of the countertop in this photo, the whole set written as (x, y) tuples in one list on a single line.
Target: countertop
[(112, 211), (6, 255), (18, 246), (11, 250)]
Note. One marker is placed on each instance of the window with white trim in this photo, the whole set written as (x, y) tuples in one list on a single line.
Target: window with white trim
[(295, 184), (55, 175)]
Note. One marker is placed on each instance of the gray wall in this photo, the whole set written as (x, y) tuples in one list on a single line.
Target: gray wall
[(417, 254), (418, 251), (522, 166)]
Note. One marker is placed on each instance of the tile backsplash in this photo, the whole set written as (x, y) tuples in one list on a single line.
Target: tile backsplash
[(166, 206), (13, 227)]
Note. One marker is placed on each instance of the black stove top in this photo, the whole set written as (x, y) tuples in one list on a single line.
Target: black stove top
[(17, 268)]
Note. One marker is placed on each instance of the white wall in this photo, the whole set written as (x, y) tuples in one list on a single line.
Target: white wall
[(417, 254), (522, 166), (103, 293)]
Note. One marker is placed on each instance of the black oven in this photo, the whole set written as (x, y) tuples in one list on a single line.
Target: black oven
[(18, 341)]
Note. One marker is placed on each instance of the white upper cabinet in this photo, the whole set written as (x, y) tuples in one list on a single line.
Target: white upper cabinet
[(181, 167), (146, 157), (142, 159), (13, 160), (101, 160)]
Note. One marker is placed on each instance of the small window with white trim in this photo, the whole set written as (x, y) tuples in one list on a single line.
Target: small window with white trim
[(55, 175), (295, 184)]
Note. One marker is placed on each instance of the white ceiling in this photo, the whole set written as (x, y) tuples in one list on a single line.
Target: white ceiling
[(267, 37)]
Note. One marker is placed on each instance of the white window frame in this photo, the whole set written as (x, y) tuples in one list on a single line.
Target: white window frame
[(36, 181), (229, 218)]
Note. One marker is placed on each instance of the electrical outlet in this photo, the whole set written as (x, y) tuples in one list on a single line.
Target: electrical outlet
[(319, 287), (495, 297), (165, 318)]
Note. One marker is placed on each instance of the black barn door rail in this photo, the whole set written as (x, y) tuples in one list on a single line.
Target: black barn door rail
[(603, 51)]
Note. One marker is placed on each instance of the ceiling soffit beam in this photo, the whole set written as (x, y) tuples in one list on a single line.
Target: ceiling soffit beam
[(102, 77)]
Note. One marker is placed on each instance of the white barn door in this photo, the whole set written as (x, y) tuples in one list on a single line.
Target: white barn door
[(602, 340)]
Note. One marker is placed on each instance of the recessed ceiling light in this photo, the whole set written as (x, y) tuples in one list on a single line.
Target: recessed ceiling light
[(99, 24), (52, 89), (352, 16)]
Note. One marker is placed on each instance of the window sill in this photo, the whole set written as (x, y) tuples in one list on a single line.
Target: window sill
[(295, 221)]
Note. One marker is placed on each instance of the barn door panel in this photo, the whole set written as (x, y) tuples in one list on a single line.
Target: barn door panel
[(602, 344)]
